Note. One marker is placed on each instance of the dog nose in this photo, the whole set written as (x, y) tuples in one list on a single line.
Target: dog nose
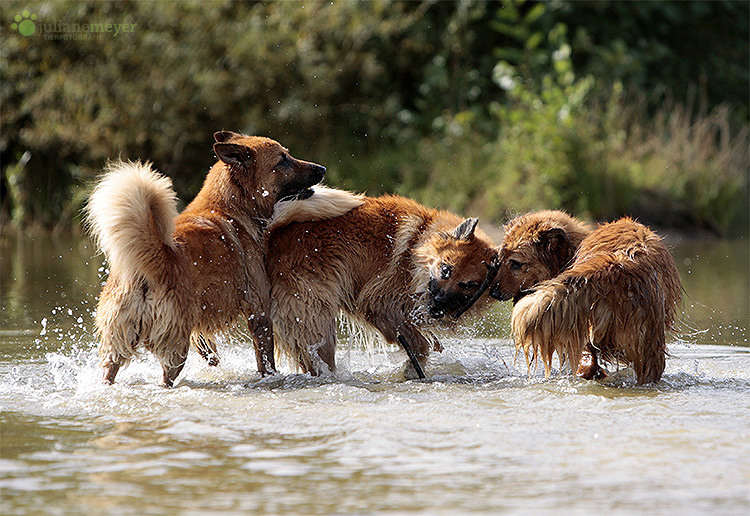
[(440, 298), (437, 295), (319, 171)]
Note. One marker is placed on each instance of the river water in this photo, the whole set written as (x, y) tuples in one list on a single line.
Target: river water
[(479, 436)]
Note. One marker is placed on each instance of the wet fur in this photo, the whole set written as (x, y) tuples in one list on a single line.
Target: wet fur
[(375, 264), (616, 300), (176, 276), (536, 247)]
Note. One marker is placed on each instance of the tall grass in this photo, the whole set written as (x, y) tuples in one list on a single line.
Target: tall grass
[(691, 168), (681, 167)]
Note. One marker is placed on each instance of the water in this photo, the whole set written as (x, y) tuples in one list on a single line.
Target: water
[(480, 436)]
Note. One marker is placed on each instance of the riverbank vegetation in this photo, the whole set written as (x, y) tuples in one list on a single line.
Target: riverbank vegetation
[(601, 108)]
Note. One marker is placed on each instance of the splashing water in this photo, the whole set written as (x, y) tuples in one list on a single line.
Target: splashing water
[(479, 436)]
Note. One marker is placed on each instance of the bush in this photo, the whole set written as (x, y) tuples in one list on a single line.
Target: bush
[(463, 104), (570, 145)]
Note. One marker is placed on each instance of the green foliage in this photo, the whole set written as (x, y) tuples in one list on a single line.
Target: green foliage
[(479, 107), (566, 141), (310, 75)]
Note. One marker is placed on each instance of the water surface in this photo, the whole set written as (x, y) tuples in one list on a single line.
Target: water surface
[(480, 436)]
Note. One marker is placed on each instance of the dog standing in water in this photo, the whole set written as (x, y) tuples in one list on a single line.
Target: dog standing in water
[(391, 264), (173, 276), (609, 294)]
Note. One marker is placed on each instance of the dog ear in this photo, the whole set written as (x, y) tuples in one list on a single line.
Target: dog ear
[(224, 136), (465, 230), (555, 249), (233, 154)]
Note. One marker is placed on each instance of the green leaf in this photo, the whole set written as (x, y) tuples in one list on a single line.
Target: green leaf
[(534, 41), (535, 13)]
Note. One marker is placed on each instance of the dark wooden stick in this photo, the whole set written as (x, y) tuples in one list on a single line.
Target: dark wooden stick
[(491, 272), (412, 356)]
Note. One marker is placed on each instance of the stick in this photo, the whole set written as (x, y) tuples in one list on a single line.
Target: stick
[(412, 356), (491, 272)]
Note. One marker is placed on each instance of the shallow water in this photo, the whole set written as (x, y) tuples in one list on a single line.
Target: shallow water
[(480, 436)]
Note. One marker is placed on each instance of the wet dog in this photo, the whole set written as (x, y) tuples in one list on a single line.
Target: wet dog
[(173, 276), (391, 264), (536, 247), (614, 296)]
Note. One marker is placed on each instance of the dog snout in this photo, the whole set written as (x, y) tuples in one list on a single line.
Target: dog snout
[(443, 301), (317, 172), (497, 293), (437, 298), (437, 307)]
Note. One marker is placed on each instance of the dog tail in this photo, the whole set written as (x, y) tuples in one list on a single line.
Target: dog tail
[(553, 318), (325, 203), (130, 215)]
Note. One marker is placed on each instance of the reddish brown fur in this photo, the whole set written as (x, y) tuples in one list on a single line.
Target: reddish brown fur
[(617, 299), (536, 247), (374, 263), (207, 273)]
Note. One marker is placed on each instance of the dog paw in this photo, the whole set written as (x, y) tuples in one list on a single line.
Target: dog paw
[(588, 367)]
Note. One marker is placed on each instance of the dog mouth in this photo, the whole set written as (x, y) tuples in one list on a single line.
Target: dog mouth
[(453, 307), (298, 195), (436, 313), (305, 194)]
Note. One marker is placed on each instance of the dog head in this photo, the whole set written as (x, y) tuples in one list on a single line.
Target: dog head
[(536, 247), (461, 267), (260, 168)]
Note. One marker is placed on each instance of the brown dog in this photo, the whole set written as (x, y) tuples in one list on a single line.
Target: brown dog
[(616, 298), (176, 275), (536, 247), (391, 263)]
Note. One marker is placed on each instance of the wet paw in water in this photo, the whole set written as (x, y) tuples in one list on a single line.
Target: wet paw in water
[(588, 367)]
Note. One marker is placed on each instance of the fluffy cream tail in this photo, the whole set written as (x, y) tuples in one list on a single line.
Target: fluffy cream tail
[(325, 203), (131, 216)]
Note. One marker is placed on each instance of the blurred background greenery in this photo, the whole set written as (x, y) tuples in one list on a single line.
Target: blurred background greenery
[(602, 108)]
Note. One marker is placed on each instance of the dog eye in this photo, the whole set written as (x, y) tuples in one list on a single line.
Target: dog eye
[(515, 265), (445, 271), (284, 161), (468, 285)]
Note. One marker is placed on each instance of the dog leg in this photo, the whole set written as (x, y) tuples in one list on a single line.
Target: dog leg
[(262, 330), (305, 328), (323, 355), (588, 365), (110, 371), (206, 348), (171, 373), (398, 329), (173, 363)]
